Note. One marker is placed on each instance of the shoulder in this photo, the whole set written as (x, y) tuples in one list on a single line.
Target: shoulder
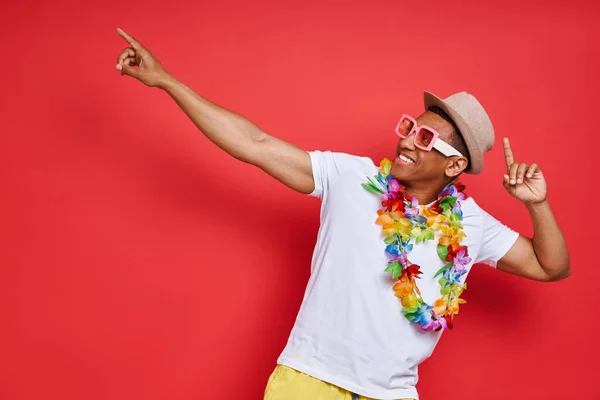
[(343, 161), (473, 214)]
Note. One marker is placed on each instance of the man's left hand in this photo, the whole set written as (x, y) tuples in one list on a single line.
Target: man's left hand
[(524, 182)]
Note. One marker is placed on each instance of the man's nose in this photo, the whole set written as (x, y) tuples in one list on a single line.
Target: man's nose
[(408, 142)]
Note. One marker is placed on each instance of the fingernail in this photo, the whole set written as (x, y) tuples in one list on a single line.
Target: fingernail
[(119, 67), (512, 182), (529, 175), (519, 180)]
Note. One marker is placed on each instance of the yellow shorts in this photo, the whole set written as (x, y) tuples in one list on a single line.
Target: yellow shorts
[(286, 383)]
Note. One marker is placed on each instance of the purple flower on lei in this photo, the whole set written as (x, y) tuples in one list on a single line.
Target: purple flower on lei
[(461, 260), (401, 257), (393, 189), (413, 210), (460, 196), (428, 319), (435, 324), (450, 190)]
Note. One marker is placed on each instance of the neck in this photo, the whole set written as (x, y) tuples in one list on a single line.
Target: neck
[(424, 192)]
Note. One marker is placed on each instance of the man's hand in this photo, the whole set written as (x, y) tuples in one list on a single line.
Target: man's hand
[(524, 182), (149, 71)]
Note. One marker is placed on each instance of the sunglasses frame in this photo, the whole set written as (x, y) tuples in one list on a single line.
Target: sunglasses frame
[(436, 142)]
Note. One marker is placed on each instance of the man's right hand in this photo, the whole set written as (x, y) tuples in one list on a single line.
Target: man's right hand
[(149, 71)]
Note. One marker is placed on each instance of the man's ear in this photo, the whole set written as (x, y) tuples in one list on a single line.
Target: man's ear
[(455, 166)]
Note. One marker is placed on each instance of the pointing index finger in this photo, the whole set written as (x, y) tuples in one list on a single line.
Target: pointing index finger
[(134, 43), (508, 153)]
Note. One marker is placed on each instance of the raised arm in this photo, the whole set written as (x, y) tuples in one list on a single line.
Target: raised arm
[(545, 257), (232, 132)]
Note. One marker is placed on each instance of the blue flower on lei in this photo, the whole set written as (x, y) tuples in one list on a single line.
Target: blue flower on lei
[(423, 315)]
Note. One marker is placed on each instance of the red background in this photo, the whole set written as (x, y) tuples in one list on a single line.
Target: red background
[(139, 261)]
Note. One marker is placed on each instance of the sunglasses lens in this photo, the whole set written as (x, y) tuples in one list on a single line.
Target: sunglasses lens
[(424, 138), (405, 127)]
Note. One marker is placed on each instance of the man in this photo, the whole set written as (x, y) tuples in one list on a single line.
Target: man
[(368, 318)]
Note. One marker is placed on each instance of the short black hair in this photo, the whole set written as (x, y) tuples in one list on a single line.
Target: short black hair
[(457, 140)]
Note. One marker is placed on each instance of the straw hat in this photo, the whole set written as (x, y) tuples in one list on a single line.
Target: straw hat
[(472, 122)]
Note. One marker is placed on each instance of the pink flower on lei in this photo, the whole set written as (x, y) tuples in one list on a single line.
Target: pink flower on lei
[(461, 260), (413, 210)]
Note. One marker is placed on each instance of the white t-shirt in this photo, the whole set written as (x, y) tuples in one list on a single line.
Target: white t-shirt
[(350, 330)]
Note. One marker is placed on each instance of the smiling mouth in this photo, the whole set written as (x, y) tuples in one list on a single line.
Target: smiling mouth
[(404, 159)]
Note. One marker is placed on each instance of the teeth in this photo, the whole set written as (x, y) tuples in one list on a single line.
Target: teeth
[(405, 159)]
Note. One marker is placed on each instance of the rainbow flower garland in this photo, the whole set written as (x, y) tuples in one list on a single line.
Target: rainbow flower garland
[(403, 220)]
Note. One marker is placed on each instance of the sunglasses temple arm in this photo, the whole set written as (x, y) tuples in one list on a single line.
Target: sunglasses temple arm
[(445, 148)]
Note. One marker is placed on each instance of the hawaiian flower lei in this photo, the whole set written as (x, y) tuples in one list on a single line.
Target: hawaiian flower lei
[(403, 220)]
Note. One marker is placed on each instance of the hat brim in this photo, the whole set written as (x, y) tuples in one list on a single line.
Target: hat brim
[(475, 153)]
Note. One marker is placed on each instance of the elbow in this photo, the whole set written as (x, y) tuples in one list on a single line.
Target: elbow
[(563, 274), (258, 136), (558, 270), (248, 150), (251, 152)]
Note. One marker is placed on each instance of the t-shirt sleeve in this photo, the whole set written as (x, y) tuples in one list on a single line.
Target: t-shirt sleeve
[(497, 240), (327, 166)]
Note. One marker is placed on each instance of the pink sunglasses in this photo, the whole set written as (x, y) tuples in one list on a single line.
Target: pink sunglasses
[(426, 138)]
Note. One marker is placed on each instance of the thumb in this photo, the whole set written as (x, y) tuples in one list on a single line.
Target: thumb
[(505, 183), (127, 70)]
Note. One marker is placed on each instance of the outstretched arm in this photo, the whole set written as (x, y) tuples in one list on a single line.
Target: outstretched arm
[(233, 133), (545, 257)]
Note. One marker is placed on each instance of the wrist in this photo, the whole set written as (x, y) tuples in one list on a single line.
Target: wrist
[(537, 205), (167, 82)]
